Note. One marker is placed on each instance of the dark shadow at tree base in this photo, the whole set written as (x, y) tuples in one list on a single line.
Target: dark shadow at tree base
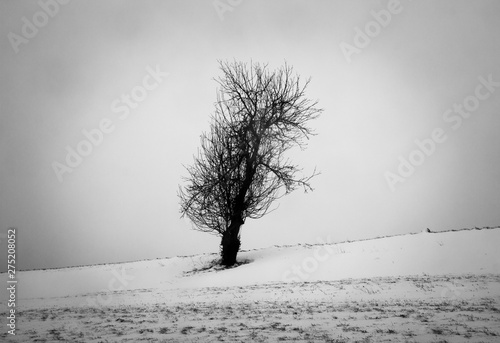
[(216, 266)]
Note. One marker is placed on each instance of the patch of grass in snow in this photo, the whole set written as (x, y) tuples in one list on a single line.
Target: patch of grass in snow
[(185, 330), (164, 330)]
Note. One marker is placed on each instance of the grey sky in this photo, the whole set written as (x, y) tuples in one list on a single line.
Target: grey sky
[(120, 202)]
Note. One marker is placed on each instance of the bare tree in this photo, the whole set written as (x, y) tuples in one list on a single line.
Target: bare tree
[(241, 168)]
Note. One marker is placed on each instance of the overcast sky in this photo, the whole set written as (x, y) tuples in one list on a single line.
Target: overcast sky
[(409, 137)]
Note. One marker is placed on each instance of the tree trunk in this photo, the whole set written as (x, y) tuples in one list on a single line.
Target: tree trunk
[(230, 244)]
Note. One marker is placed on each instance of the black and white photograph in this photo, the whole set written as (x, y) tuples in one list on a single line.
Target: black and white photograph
[(250, 171)]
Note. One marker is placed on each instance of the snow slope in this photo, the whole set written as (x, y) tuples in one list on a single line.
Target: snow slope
[(453, 252), (426, 287)]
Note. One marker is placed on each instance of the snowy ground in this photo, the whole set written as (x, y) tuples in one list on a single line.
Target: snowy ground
[(427, 287)]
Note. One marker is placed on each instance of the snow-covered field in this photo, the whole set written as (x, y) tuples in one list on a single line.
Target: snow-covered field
[(426, 287)]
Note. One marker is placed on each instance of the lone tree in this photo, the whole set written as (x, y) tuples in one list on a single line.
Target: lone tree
[(241, 168)]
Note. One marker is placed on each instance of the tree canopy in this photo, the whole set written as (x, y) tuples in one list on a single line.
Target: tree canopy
[(241, 168)]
